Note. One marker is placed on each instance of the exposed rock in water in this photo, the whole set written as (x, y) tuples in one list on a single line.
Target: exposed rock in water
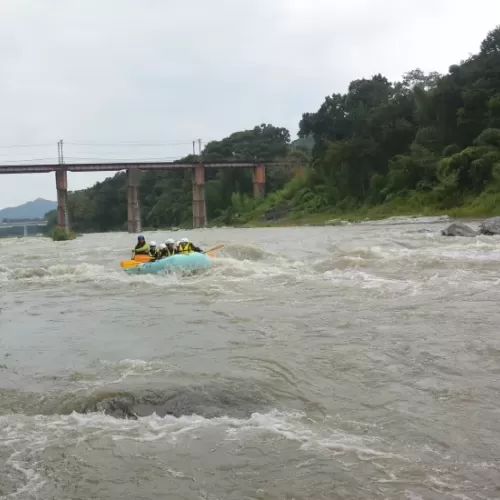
[(458, 229), (490, 226), (206, 401)]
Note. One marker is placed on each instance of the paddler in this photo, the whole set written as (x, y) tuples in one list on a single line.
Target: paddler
[(142, 248), (169, 247), (161, 251), (185, 246), (164, 251), (153, 251)]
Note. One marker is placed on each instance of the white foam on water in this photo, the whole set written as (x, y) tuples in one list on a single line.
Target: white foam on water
[(403, 219), (106, 372), (25, 435), (367, 281), (412, 248), (348, 264), (409, 495), (136, 368)]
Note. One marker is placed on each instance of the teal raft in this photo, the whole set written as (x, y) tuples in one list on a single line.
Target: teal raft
[(179, 262)]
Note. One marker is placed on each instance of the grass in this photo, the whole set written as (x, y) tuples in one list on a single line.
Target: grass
[(61, 234), (487, 204)]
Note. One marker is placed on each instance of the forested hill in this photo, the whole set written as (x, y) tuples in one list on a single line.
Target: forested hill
[(427, 140)]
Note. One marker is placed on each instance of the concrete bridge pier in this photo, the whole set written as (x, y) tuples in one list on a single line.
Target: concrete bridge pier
[(62, 199), (199, 203), (259, 181), (133, 207)]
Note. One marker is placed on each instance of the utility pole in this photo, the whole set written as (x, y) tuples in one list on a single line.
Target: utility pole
[(62, 190), (60, 152), (194, 152), (199, 147)]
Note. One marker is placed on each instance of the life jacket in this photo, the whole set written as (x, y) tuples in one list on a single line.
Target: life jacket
[(141, 249), (185, 247), (153, 253), (166, 252)]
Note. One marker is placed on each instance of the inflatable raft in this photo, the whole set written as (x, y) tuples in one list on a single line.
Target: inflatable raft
[(179, 262)]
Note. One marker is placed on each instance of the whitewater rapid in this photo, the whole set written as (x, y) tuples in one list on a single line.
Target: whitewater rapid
[(350, 362)]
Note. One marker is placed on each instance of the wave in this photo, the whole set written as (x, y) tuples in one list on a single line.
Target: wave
[(224, 453), (435, 249), (136, 388), (396, 262), (190, 448), (402, 219), (292, 425)]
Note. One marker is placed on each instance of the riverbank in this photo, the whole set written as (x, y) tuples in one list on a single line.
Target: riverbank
[(278, 210), (487, 204)]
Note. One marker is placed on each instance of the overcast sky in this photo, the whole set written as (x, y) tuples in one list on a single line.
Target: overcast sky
[(102, 74)]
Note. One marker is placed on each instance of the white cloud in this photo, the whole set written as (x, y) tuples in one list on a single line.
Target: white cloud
[(129, 70)]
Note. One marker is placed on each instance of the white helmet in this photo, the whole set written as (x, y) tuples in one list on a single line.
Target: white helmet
[(162, 246), (184, 240), (170, 241), (152, 244)]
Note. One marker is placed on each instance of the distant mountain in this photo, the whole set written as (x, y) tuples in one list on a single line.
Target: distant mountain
[(31, 210)]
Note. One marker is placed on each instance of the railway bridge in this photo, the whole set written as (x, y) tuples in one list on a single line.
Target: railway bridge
[(133, 168)]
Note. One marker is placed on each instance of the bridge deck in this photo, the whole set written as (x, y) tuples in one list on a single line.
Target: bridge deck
[(21, 224), (115, 166)]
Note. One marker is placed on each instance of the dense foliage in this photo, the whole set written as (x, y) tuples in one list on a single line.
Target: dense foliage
[(429, 137), (438, 135)]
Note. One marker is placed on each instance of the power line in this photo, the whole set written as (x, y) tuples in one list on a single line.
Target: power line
[(121, 159), (31, 160), (131, 143), (169, 143), (127, 144), (13, 146), (53, 160), (101, 154)]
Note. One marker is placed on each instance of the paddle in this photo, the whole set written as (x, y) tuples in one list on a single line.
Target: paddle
[(137, 260), (218, 247), (142, 258)]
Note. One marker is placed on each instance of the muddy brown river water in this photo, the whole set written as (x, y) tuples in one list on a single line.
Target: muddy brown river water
[(356, 362)]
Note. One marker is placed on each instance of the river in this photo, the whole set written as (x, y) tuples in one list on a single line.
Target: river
[(354, 362)]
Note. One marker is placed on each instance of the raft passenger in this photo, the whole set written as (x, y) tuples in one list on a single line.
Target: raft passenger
[(153, 251), (170, 247), (142, 248), (163, 251), (186, 246)]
